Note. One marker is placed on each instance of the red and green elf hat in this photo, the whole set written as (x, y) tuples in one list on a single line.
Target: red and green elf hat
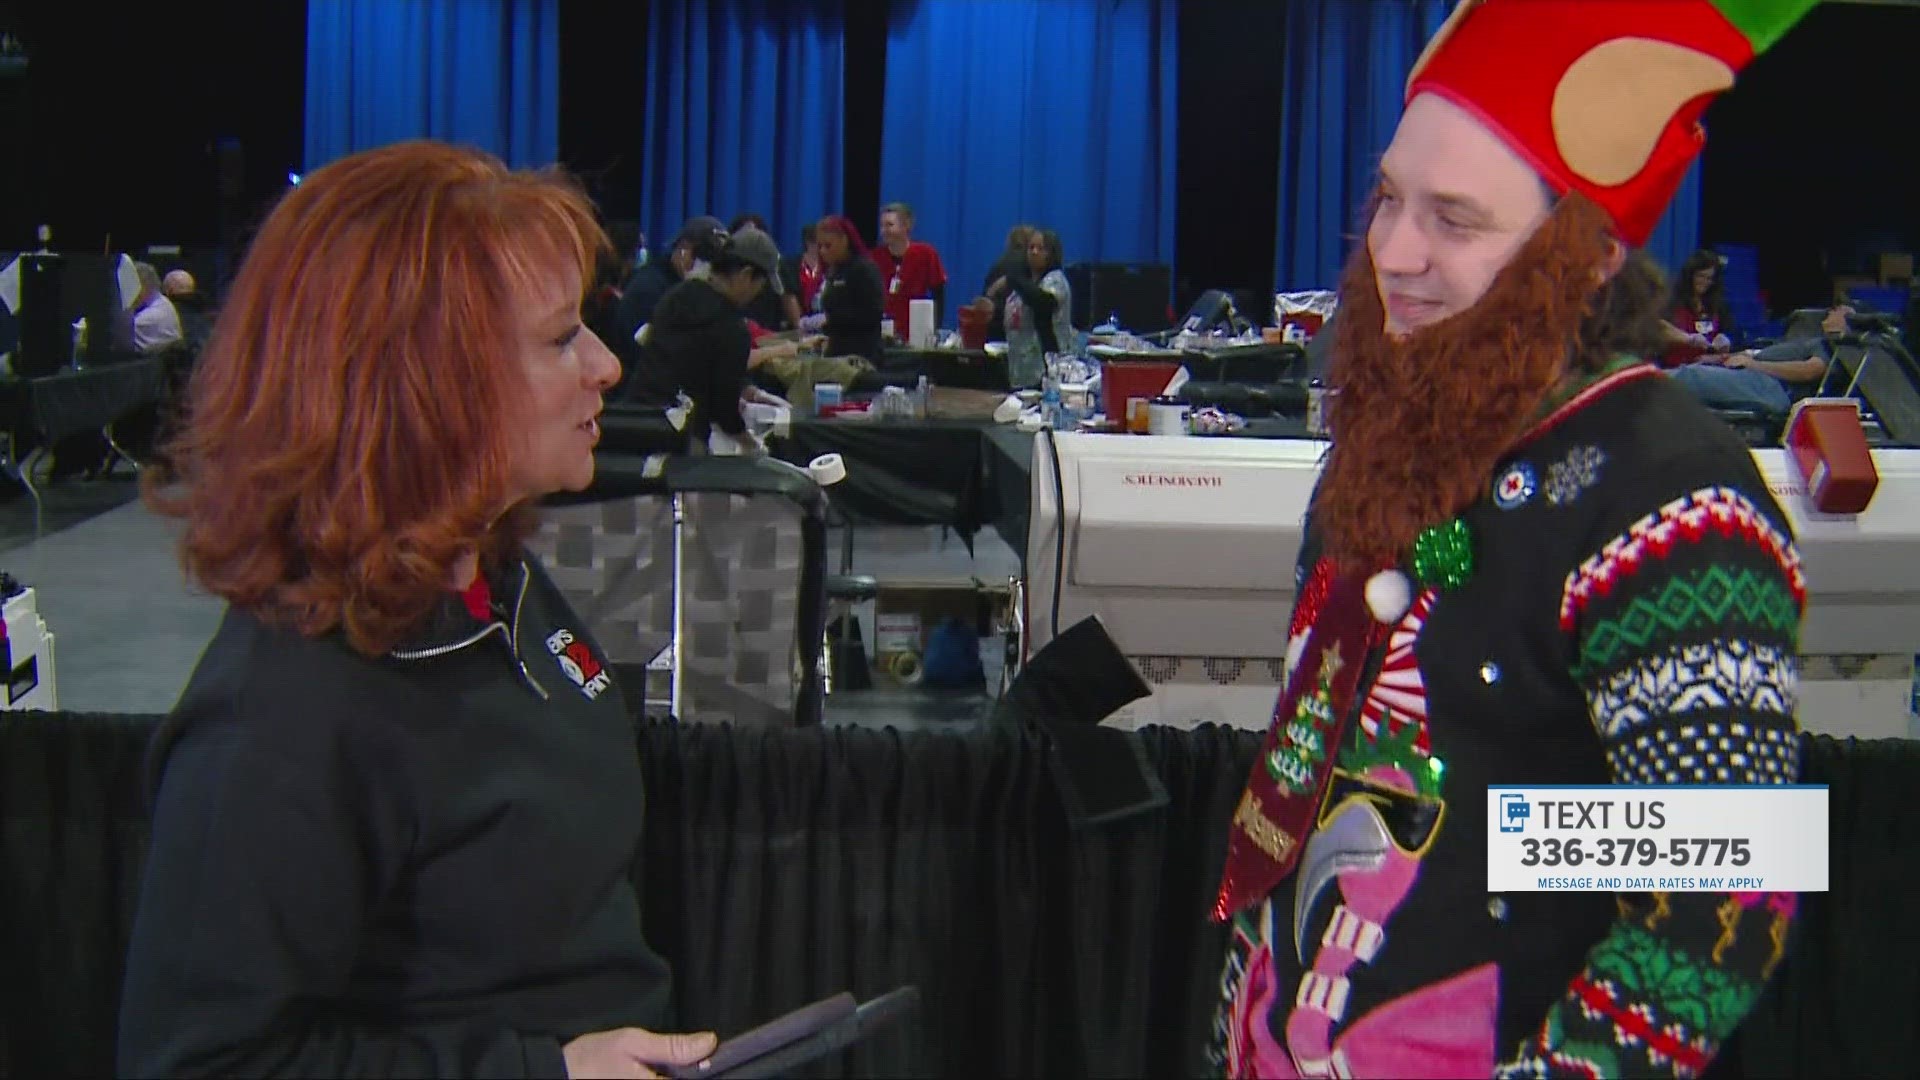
[(1603, 97)]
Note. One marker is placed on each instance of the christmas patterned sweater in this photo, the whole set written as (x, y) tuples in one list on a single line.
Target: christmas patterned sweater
[(1631, 617)]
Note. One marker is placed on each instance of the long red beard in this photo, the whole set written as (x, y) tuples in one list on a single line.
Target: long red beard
[(1419, 422)]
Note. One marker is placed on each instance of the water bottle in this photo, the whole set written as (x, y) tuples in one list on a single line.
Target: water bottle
[(1050, 392), (921, 392)]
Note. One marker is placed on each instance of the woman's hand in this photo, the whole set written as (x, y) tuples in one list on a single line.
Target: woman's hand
[(1722, 343), (813, 324), (629, 1052), (999, 286), (1737, 360)]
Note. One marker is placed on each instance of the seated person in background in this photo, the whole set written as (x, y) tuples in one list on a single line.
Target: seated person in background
[(395, 829), (1769, 378), (156, 322), (189, 303), (699, 241), (698, 341), (852, 296), (785, 371), (178, 286), (1699, 324), (1039, 309), (696, 245), (802, 273), (769, 346), (772, 310)]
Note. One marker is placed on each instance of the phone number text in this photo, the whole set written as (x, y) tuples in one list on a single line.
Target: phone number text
[(1635, 851)]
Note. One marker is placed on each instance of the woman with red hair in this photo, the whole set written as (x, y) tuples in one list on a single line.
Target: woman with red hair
[(851, 296), (396, 810)]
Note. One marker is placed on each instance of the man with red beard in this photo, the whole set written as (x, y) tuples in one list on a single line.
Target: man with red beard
[(1532, 559)]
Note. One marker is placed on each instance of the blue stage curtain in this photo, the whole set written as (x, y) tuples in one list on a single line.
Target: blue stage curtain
[(745, 112), (1678, 233), (1346, 71), (483, 73), (1346, 68), (1059, 113)]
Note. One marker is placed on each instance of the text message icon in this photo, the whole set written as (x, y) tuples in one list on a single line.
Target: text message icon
[(1514, 813)]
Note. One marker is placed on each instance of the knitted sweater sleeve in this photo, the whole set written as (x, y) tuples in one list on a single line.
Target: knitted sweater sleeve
[(1684, 622)]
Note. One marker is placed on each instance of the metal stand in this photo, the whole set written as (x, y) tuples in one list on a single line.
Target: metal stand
[(1015, 635), (668, 660), (118, 453), (679, 608), (22, 470)]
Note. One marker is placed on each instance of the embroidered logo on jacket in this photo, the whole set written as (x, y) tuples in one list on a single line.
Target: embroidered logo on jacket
[(578, 662)]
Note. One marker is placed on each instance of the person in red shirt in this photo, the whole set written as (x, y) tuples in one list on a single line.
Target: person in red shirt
[(1698, 326), (909, 269), (809, 270)]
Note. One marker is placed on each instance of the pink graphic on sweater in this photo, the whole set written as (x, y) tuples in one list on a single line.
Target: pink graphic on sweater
[(1252, 1051), (1381, 815)]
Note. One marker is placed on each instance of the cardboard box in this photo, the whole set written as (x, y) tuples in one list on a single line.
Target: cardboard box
[(1845, 283), (1896, 268), (906, 612)]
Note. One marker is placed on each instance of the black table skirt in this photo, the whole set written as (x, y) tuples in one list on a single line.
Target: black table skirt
[(899, 472), (780, 866), (73, 402), (1009, 485)]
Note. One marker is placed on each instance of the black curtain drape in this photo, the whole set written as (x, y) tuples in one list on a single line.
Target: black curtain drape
[(784, 865), (1846, 1001)]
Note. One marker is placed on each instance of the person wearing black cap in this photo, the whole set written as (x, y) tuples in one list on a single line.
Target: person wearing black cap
[(699, 240), (697, 342)]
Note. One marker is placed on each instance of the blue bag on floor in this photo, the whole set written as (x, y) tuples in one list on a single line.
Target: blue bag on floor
[(953, 657)]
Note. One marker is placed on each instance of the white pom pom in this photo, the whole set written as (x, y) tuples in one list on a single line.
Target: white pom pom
[(1295, 650), (1389, 595)]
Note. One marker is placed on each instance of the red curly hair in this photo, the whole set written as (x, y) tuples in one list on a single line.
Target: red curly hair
[(346, 438)]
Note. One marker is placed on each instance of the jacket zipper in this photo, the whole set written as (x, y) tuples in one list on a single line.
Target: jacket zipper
[(512, 633), (513, 637), (441, 650)]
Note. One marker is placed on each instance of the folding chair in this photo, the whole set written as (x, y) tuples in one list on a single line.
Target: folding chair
[(705, 577)]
